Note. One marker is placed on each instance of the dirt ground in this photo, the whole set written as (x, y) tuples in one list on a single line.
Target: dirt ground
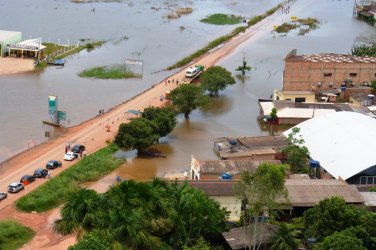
[(93, 135), (10, 65)]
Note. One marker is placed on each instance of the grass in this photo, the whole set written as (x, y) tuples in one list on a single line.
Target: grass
[(222, 39), (55, 191), (286, 27), (13, 235), (222, 19), (107, 72), (311, 22)]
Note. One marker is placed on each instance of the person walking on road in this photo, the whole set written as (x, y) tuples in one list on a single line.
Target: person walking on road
[(49, 174)]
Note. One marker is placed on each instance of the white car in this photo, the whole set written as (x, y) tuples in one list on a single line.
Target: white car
[(3, 195), (70, 156)]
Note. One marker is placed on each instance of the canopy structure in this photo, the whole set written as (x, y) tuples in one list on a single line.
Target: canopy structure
[(29, 47), (343, 142)]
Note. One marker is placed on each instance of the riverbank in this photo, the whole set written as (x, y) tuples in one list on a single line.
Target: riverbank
[(10, 65)]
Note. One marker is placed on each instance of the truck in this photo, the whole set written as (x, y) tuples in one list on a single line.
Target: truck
[(192, 73)]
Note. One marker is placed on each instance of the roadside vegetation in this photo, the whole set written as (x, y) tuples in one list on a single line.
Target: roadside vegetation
[(223, 39), (13, 235), (222, 19), (107, 72), (55, 191), (145, 131), (179, 12), (286, 27), (141, 215), (364, 50)]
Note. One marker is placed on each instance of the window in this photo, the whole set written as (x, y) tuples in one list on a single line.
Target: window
[(299, 99), (327, 74), (353, 74)]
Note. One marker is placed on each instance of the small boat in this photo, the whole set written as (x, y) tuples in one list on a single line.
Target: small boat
[(53, 124), (59, 62)]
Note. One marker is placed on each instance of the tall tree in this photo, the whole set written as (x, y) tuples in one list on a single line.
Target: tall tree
[(215, 79), (139, 134), (163, 117), (287, 237), (296, 152), (259, 193), (341, 241), (188, 97)]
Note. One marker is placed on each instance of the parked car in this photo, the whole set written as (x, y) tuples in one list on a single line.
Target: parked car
[(15, 187), (78, 149), (70, 156), (52, 164), (3, 195), (27, 177), (40, 173)]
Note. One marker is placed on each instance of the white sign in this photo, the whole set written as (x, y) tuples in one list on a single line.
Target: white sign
[(133, 62), (22, 46), (364, 2)]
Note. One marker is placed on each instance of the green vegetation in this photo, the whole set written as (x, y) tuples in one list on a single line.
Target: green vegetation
[(143, 132), (215, 79), (51, 48), (55, 191), (296, 152), (258, 193), (286, 27), (372, 189), (287, 237), (188, 97), (107, 72), (141, 215), (311, 22), (244, 67), (364, 50), (222, 19), (13, 235), (223, 39)]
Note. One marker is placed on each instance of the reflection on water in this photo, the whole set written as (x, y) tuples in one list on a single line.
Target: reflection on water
[(217, 106)]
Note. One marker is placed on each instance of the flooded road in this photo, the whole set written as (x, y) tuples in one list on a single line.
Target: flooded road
[(160, 44)]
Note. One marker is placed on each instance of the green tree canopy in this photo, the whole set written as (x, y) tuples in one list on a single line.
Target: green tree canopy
[(215, 79), (163, 117), (329, 216), (188, 97), (259, 192), (344, 240), (296, 152), (138, 134), (141, 215), (287, 237)]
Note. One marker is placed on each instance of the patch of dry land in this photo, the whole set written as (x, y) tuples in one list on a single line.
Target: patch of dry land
[(10, 65)]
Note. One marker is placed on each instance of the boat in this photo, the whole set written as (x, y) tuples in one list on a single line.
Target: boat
[(59, 62), (53, 124)]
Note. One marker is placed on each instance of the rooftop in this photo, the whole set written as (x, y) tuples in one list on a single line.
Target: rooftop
[(5, 34), (330, 58)]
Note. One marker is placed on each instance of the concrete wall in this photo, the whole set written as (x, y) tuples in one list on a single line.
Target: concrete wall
[(231, 204), (283, 96), (306, 75)]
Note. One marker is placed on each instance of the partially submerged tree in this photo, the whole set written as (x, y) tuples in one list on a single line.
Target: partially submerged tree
[(215, 79), (259, 193), (244, 67), (296, 152), (163, 117), (188, 97), (139, 134)]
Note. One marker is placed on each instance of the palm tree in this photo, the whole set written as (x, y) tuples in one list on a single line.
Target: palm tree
[(285, 238)]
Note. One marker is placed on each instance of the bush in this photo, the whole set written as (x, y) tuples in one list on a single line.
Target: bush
[(13, 235), (55, 191)]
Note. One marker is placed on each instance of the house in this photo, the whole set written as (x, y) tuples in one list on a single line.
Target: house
[(343, 144), (213, 169), (256, 148)]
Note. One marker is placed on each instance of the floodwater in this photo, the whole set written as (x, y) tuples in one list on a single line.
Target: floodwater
[(133, 29), (23, 98)]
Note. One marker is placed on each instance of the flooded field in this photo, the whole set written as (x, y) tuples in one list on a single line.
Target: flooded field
[(159, 42)]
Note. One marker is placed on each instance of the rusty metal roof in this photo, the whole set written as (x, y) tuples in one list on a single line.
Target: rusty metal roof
[(330, 58)]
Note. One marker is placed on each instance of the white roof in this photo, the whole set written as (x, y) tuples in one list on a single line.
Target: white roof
[(343, 142), (266, 107), (302, 112), (4, 34)]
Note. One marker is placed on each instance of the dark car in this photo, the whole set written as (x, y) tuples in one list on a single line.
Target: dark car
[(78, 149), (27, 177), (3, 195), (52, 164), (15, 187), (40, 173)]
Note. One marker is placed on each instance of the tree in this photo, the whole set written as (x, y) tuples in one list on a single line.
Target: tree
[(296, 152), (287, 237), (341, 241), (188, 97), (215, 79), (244, 67), (259, 193), (139, 134), (273, 114), (330, 215), (163, 117), (373, 86), (91, 241)]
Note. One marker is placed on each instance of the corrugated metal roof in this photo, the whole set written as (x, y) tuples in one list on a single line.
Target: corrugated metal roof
[(277, 141), (369, 198), (331, 58), (231, 166)]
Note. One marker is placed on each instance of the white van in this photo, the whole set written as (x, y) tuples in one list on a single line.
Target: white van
[(191, 72)]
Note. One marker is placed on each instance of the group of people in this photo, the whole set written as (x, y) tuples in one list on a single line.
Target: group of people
[(168, 81), (101, 112), (285, 10)]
